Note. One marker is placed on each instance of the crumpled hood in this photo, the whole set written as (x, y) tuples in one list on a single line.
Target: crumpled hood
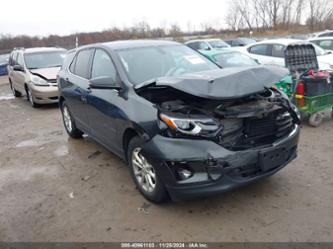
[(227, 83), (46, 73)]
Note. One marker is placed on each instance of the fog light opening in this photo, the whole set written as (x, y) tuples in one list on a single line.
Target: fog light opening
[(184, 174), (181, 170)]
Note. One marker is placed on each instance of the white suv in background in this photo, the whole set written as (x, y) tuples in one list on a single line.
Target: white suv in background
[(271, 52)]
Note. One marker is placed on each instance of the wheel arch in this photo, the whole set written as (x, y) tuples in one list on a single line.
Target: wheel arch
[(61, 100), (129, 134)]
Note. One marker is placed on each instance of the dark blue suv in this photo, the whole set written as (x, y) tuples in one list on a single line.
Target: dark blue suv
[(186, 127)]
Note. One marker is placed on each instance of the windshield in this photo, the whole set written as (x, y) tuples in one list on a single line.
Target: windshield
[(44, 59), (234, 59), (148, 63), (218, 44)]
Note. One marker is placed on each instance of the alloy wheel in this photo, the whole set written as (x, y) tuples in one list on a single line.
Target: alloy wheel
[(143, 171), (67, 119)]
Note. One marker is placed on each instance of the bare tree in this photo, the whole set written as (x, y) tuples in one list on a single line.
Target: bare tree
[(287, 9), (299, 11), (319, 12)]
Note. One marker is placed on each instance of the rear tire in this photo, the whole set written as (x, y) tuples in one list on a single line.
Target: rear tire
[(69, 122), (315, 119), (144, 174), (15, 93)]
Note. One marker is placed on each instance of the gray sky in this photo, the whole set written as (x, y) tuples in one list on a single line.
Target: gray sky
[(38, 17)]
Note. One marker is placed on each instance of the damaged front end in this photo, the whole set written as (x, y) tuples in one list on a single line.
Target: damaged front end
[(209, 145)]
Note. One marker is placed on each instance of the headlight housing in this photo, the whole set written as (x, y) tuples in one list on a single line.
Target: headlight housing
[(295, 109), (38, 81), (192, 126)]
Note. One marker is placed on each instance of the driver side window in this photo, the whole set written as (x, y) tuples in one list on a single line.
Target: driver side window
[(103, 66)]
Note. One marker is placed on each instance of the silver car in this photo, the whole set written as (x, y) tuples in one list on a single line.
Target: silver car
[(33, 72)]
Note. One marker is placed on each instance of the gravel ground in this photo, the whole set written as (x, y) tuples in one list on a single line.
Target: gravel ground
[(53, 188)]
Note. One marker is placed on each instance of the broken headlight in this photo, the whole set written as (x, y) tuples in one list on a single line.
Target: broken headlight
[(38, 81), (192, 126)]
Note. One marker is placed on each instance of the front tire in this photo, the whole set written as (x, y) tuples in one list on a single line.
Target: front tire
[(144, 174), (31, 98), (69, 123)]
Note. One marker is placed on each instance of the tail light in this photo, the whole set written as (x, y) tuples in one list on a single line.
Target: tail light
[(300, 95)]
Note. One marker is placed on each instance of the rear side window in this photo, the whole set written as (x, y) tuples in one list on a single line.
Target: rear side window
[(103, 66), (82, 63), (326, 44), (261, 49)]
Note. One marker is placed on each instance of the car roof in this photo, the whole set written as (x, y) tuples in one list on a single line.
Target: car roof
[(321, 38), (323, 32), (42, 49), (278, 41), (203, 40), (136, 44)]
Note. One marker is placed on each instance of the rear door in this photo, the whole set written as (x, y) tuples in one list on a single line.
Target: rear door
[(78, 81), (19, 76), (269, 54), (11, 64)]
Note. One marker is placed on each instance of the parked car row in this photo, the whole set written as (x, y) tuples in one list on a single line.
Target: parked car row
[(268, 52)]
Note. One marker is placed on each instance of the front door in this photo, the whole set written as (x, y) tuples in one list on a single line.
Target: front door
[(103, 110)]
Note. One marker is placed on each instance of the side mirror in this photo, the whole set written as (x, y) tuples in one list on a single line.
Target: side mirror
[(104, 82), (18, 68), (207, 48)]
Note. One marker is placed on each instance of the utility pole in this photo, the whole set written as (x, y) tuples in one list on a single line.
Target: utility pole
[(76, 41)]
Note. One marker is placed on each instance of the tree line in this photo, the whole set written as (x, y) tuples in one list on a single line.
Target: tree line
[(279, 14), (242, 16)]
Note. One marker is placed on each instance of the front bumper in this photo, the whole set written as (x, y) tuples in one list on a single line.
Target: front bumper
[(214, 168), (44, 94)]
